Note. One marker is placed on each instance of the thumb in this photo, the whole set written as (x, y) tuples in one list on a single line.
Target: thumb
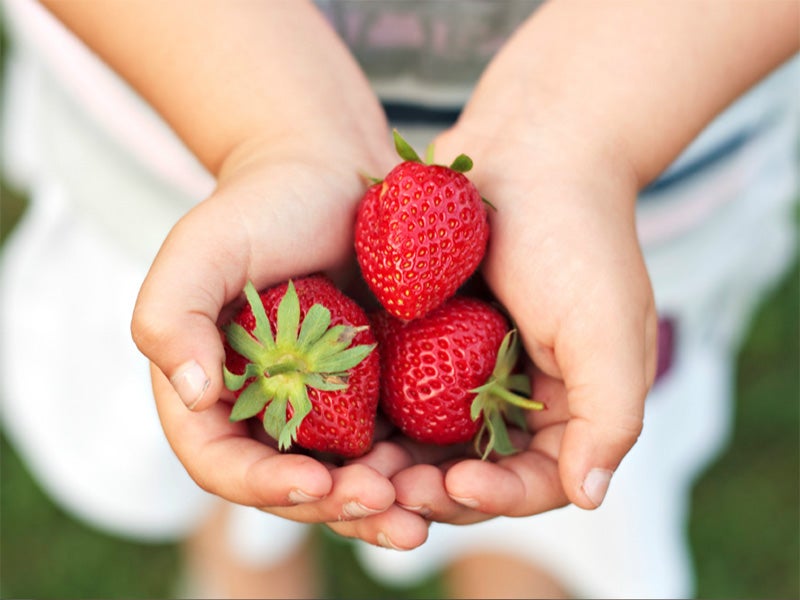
[(606, 390), (174, 320), (247, 230)]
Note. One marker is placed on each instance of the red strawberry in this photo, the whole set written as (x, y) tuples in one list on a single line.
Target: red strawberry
[(420, 233), (315, 381), (447, 377)]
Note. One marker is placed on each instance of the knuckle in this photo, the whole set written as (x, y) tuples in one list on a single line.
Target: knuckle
[(628, 428), (147, 330)]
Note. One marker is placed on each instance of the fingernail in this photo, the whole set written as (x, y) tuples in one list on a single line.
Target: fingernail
[(421, 510), (468, 502), (191, 382), (595, 485), (356, 510), (300, 497), (385, 542)]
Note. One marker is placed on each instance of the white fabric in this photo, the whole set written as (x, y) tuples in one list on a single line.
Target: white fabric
[(75, 391), (119, 113), (75, 398)]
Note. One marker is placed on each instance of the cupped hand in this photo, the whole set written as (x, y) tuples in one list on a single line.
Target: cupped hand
[(565, 262), (278, 212)]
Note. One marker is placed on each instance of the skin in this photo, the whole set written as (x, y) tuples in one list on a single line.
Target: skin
[(563, 135), (562, 152)]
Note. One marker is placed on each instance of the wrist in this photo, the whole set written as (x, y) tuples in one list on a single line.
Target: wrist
[(321, 147), (513, 150), (634, 82)]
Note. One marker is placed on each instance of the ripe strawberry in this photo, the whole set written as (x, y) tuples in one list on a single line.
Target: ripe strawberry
[(420, 233), (447, 377), (315, 381)]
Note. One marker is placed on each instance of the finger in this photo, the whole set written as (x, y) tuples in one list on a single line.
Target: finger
[(224, 460), (421, 489), (432, 454), (387, 458), (174, 321), (551, 392), (237, 234), (396, 528), (357, 492), (606, 387), (523, 484)]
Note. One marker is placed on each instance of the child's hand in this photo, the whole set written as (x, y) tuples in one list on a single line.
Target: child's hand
[(564, 260), (273, 216), (581, 108)]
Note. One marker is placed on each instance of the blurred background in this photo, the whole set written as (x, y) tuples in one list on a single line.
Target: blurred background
[(744, 527)]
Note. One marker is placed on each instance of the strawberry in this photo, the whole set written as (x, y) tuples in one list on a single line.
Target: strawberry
[(420, 233), (315, 382), (448, 377)]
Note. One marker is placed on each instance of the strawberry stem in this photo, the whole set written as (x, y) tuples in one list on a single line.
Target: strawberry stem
[(461, 163), (496, 401), (515, 399), (429, 152)]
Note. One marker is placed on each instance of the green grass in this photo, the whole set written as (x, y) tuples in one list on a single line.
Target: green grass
[(46, 554), (744, 524)]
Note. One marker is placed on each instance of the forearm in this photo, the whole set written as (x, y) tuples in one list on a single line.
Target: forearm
[(636, 80), (226, 73)]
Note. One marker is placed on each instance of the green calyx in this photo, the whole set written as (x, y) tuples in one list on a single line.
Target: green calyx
[(281, 367), (462, 163), (504, 396)]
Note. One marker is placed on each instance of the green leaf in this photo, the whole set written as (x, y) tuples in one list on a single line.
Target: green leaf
[(461, 163), (499, 441), (249, 403), (519, 383), (516, 415), (234, 381), (332, 341), (369, 178), (507, 355), (489, 204), (315, 324), (288, 318), (478, 404), (301, 405), (275, 415), (404, 149), (244, 343), (262, 331), (329, 382), (344, 360)]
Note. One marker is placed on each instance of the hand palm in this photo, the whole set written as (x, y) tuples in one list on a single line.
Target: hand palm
[(564, 261), (268, 221)]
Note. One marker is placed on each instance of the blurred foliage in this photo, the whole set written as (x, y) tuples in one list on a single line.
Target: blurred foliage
[(12, 205), (744, 526), (46, 554)]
